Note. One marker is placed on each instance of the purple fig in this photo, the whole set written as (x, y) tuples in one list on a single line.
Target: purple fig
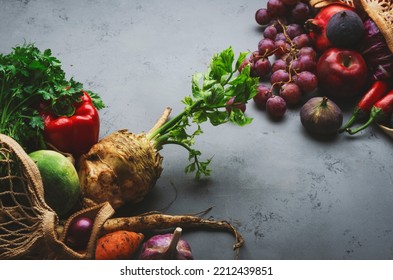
[(166, 247)]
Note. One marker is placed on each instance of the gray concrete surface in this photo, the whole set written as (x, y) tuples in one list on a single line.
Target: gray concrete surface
[(290, 195)]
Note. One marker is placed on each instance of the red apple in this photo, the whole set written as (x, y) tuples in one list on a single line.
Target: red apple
[(341, 73)]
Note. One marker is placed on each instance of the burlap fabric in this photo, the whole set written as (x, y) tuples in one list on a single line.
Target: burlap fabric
[(28, 226)]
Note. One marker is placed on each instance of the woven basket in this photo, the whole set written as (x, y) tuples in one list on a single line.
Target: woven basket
[(380, 11)]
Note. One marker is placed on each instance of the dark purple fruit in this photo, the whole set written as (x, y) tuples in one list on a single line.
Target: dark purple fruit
[(321, 116), (230, 105), (276, 107), (263, 94), (345, 29)]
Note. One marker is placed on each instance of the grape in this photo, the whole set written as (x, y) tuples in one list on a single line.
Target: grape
[(279, 22), (245, 62), (300, 12), (270, 32), (308, 51), (262, 16), (263, 94), (302, 41), (294, 66), (266, 46), (276, 8), (294, 30), (291, 93), (293, 71), (230, 105), (307, 63), (276, 106), (279, 64), (307, 81), (262, 67), (279, 77), (290, 2), (254, 56), (280, 37), (287, 57), (281, 47)]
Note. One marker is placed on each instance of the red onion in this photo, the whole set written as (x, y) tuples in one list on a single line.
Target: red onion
[(166, 247), (376, 52), (79, 232)]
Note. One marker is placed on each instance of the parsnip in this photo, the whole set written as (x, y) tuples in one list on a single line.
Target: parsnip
[(157, 221)]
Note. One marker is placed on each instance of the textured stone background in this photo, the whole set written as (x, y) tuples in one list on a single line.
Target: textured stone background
[(291, 196)]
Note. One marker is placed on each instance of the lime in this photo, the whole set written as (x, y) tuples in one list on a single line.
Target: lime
[(60, 180)]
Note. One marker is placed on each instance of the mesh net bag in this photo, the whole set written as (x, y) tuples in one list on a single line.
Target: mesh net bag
[(28, 226), (380, 11)]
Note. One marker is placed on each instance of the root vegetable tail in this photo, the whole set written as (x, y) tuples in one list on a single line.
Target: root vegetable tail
[(157, 221)]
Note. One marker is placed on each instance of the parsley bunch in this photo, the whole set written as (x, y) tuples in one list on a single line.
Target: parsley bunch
[(29, 77), (210, 93)]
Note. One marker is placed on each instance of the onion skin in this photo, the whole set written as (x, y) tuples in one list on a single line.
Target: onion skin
[(121, 168), (376, 52), (321, 116), (79, 232), (166, 247)]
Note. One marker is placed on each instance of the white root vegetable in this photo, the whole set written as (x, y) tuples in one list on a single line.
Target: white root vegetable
[(154, 221), (122, 167)]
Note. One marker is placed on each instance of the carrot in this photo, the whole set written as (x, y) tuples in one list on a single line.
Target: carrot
[(118, 245)]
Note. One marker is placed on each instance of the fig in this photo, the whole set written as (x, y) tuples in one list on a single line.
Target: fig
[(316, 26), (321, 116), (345, 29)]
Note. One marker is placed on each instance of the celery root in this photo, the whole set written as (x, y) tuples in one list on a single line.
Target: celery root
[(123, 167)]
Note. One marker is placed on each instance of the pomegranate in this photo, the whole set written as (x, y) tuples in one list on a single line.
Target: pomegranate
[(316, 26)]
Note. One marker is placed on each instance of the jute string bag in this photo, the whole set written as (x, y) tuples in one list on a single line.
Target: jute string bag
[(28, 226)]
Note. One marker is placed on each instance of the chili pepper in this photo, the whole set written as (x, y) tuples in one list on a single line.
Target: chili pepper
[(375, 93), (380, 110), (75, 134)]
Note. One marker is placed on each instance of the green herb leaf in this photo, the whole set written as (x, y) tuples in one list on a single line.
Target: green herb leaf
[(210, 94), (36, 121), (29, 77)]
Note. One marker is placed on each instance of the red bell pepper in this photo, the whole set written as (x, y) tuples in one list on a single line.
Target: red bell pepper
[(75, 134)]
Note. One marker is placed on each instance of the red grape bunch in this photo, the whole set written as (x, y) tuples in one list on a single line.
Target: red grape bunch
[(285, 56)]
